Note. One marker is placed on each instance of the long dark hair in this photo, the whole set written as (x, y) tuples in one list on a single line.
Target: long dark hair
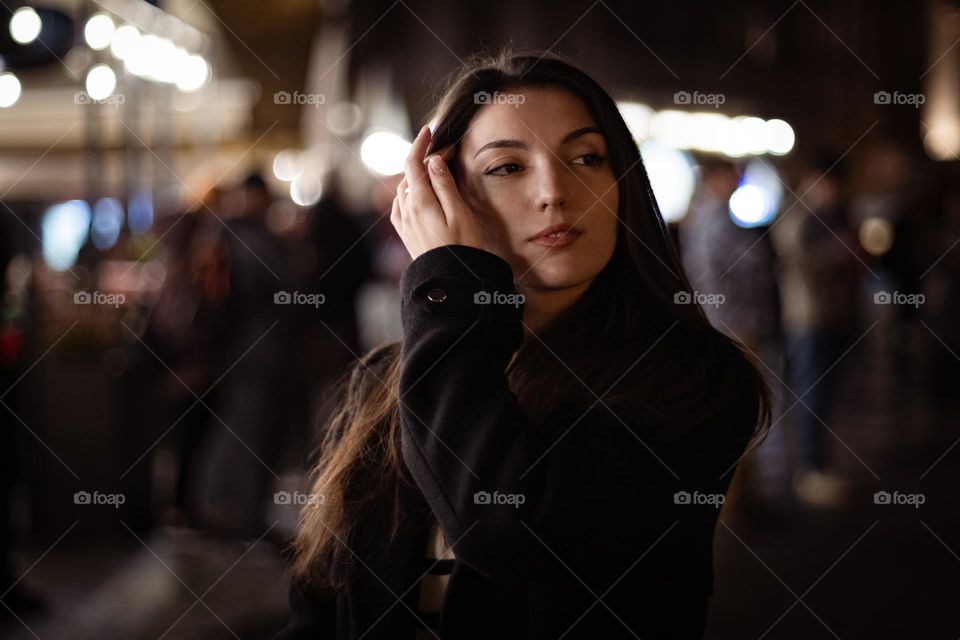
[(625, 340)]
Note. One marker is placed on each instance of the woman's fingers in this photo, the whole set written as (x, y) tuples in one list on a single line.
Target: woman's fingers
[(420, 207), (395, 219), (416, 173), (446, 153), (428, 210), (445, 189)]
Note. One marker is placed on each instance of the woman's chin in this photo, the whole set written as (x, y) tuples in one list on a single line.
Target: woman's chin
[(553, 277)]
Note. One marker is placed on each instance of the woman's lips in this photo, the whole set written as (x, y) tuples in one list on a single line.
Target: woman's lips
[(557, 240)]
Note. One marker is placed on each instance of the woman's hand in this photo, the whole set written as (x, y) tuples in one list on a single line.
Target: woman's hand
[(428, 211)]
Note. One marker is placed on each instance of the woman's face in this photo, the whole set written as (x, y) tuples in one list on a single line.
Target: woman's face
[(533, 158)]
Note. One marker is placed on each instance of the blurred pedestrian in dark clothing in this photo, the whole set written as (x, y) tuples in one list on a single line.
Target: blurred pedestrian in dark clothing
[(820, 283), (733, 270), (338, 262), (183, 332), (941, 288), (732, 263), (905, 262), (17, 598), (235, 466)]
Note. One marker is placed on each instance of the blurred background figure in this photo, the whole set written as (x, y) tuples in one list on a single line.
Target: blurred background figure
[(184, 331), (329, 256), (733, 269), (820, 289), (234, 468), (19, 599), (941, 286)]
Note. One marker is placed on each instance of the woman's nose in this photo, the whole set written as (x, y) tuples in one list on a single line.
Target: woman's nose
[(551, 186)]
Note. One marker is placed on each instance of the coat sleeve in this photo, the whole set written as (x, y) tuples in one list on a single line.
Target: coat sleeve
[(588, 498)]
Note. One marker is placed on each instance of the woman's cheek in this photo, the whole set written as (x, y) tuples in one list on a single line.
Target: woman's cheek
[(488, 207)]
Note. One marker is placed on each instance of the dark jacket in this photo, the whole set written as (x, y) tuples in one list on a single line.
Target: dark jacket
[(583, 529)]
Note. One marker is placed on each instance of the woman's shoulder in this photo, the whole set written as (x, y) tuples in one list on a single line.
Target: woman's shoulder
[(381, 354), (741, 399), (373, 365), (711, 386)]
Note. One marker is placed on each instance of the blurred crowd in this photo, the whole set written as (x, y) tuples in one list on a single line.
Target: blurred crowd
[(802, 293), (223, 332), (241, 310)]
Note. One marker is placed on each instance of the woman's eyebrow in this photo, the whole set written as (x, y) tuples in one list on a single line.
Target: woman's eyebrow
[(519, 144), (501, 144)]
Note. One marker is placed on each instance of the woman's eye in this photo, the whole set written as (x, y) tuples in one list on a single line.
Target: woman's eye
[(591, 159), (504, 169)]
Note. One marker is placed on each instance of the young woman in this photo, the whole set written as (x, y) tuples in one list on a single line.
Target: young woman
[(543, 466)]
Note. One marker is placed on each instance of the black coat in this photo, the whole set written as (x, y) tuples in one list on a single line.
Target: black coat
[(600, 545)]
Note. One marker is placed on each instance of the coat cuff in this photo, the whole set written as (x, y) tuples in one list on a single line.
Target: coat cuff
[(460, 281)]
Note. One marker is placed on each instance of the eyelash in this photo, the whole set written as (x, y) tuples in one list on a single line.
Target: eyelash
[(600, 159)]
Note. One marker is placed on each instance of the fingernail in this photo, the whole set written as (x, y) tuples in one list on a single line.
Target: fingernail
[(425, 128), (436, 165)]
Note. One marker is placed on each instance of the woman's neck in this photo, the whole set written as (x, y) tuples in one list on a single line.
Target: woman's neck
[(540, 306)]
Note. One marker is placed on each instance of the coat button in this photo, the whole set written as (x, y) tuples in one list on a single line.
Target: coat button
[(436, 295)]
